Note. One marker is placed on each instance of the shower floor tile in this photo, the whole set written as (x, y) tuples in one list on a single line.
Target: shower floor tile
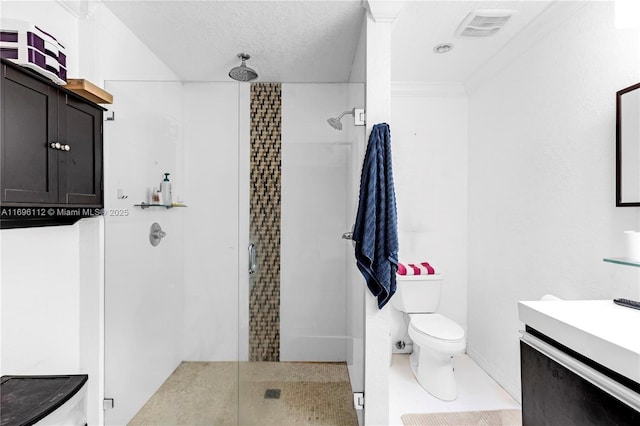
[(207, 393)]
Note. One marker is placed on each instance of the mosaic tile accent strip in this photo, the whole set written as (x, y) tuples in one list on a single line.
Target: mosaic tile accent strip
[(264, 211)]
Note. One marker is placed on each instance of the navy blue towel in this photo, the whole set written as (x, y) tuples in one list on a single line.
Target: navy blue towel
[(376, 228)]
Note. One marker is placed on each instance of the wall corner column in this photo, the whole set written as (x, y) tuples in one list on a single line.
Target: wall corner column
[(380, 18)]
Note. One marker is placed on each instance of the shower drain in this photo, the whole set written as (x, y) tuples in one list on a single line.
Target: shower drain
[(272, 394)]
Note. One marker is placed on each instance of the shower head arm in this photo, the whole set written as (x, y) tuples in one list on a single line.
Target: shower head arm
[(345, 113)]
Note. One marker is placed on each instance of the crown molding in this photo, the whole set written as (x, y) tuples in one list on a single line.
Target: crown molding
[(384, 11)]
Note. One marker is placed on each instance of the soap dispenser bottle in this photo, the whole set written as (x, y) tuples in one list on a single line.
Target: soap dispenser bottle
[(165, 190)]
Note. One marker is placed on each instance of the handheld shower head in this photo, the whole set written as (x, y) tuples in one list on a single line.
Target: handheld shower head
[(243, 72)]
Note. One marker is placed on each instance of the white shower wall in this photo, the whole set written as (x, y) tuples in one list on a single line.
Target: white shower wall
[(313, 268), (144, 293), (317, 200), (211, 118)]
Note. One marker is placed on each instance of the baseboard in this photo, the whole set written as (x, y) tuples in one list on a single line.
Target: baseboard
[(496, 373)]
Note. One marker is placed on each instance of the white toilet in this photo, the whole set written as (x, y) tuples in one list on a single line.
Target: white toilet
[(436, 338)]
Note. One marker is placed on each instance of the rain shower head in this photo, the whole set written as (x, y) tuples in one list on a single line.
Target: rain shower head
[(243, 72), (336, 123)]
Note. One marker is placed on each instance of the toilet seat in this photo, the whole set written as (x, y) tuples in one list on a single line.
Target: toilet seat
[(436, 326)]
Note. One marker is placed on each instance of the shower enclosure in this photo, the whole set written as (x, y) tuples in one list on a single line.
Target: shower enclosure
[(252, 279)]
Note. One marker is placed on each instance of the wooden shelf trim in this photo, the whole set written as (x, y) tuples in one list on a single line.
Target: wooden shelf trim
[(88, 90)]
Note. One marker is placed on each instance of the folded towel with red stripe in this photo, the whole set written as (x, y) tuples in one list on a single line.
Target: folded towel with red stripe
[(422, 268)]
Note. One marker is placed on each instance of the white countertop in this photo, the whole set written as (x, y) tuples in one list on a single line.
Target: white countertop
[(598, 329)]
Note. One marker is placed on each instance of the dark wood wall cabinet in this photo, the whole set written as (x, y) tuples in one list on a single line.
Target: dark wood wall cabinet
[(50, 154)]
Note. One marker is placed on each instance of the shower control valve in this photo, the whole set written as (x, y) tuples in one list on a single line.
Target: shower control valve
[(156, 234)]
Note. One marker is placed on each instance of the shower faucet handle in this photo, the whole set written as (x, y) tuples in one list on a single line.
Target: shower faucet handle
[(156, 234)]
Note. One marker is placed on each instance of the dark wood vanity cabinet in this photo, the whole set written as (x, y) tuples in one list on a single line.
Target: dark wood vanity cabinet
[(562, 387), (51, 147)]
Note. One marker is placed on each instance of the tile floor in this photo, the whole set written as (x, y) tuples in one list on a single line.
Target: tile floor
[(476, 391), (252, 394)]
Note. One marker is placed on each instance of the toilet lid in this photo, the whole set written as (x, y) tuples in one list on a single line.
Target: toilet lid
[(437, 326)]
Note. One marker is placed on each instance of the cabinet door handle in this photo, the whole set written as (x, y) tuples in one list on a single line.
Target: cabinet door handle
[(59, 146)]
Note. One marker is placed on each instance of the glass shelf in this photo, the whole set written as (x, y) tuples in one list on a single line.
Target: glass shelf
[(144, 205), (623, 261)]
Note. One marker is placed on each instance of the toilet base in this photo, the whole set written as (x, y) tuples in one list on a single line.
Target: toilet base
[(434, 372)]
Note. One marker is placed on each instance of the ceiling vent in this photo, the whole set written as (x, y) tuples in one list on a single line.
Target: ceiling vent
[(484, 22)]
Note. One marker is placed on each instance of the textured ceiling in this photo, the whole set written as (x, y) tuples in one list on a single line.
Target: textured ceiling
[(292, 41), (313, 41), (424, 24)]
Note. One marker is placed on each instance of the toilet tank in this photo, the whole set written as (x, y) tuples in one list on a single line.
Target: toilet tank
[(417, 293)]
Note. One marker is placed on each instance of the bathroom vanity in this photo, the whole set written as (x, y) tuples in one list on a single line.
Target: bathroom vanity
[(580, 363)]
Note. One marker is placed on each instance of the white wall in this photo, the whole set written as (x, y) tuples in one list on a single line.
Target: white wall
[(99, 48), (91, 310), (144, 284), (40, 300), (211, 119), (377, 324), (316, 166), (429, 134), (358, 68), (52, 297), (111, 51), (542, 209)]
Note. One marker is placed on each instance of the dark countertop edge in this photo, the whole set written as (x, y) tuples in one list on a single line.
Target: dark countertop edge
[(73, 391)]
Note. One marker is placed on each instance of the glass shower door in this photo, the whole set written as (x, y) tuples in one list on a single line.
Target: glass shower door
[(304, 319), (190, 338), (171, 328), (143, 292)]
